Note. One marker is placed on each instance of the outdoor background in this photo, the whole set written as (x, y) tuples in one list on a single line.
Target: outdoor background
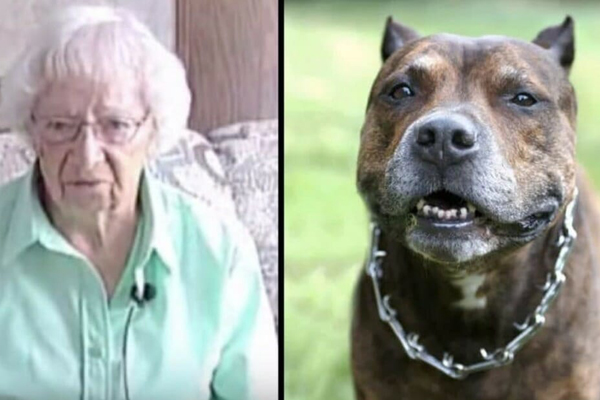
[(331, 58)]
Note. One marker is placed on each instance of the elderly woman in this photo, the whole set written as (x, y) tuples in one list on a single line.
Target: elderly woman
[(113, 286)]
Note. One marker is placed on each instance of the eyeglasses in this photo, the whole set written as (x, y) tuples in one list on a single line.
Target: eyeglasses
[(113, 130)]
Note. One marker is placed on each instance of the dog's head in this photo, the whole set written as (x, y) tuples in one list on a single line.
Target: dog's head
[(468, 144)]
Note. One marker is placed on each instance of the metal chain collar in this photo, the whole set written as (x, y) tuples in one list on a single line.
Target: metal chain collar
[(499, 357)]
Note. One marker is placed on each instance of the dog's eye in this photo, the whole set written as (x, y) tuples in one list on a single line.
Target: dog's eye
[(401, 91), (524, 100)]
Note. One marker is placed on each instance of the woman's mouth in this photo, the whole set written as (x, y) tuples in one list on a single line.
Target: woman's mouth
[(86, 183)]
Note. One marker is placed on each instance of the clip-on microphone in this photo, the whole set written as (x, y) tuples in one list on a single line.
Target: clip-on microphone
[(147, 293), (141, 293)]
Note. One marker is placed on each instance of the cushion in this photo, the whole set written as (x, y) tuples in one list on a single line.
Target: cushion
[(249, 154), (15, 156), (192, 166)]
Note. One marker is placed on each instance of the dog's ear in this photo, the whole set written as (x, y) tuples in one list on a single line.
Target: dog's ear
[(395, 36), (560, 40)]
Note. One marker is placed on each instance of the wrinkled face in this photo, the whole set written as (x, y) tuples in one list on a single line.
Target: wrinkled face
[(90, 173), (468, 145)]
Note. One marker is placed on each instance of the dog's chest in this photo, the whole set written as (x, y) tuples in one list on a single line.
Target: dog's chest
[(469, 286)]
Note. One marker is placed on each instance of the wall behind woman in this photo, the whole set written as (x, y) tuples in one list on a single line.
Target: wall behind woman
[(20, 17), (230, 49)]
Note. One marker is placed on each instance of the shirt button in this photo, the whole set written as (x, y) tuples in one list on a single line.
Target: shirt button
[(95, 352)]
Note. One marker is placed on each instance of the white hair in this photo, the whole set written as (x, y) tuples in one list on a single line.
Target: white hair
[(99, 42)]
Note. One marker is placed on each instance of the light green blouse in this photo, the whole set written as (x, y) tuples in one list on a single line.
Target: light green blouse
[(207, 334)]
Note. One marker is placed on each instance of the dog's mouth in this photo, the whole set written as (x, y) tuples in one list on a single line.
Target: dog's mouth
[(448, 228), (446, 209)]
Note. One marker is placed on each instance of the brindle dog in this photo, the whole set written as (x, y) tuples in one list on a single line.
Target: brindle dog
[(467, 165)]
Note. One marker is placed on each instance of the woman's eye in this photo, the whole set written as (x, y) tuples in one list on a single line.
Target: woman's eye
[(524, 100), (118, 124), (401, 91), (57, 125)]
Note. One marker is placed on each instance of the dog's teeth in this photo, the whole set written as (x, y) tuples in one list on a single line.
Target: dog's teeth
[(426, 210)]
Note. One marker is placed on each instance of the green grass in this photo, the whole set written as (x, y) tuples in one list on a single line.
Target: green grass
[(331, 58)]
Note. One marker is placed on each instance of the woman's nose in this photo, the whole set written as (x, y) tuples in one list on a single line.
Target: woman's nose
[(88, 148)]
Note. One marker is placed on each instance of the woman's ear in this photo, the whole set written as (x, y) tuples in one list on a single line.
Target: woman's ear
[(153, 145), (31, 137)]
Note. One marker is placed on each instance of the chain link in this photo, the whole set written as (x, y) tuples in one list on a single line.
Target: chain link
[(499, 357)]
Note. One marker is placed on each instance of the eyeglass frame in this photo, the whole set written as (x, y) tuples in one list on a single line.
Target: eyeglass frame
[(81, 123)]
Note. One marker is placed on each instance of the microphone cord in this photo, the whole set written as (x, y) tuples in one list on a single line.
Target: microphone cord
[(138, 300), (124, 350)]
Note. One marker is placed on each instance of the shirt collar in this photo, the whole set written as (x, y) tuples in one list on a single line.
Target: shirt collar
[(29, 223), (22, 231), (158, 226)]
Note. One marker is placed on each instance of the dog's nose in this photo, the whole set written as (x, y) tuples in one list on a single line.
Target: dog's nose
[(446, 140)]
